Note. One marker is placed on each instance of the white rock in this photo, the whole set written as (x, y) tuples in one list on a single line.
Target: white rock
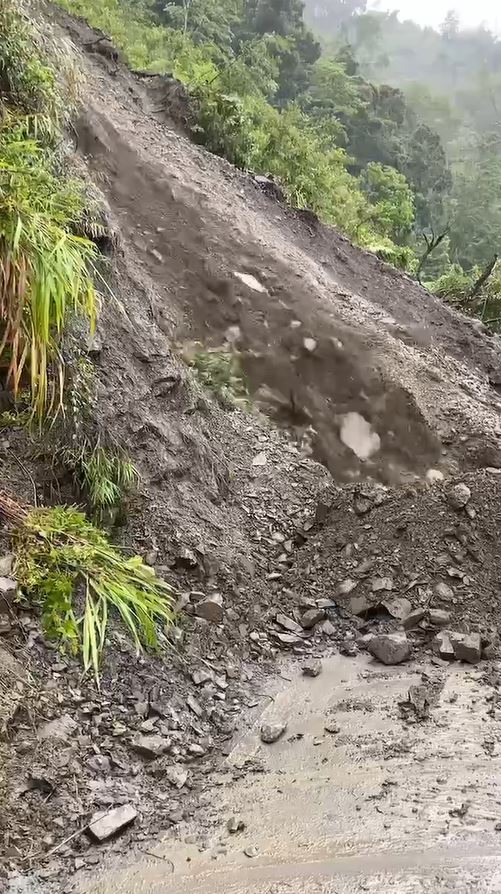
[(357, 434), (103, 825), (249, 280)]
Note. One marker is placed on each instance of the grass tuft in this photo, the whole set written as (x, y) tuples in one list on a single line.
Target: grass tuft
[(220, 371), (63, 560)]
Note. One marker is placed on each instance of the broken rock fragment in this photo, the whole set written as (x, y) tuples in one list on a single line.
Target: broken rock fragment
[(458, 496), (151, 747), (438, 617), (104, 825), (211, 608), (311, 617), (442, 646), (390, 648), (467, 647), (312, 668), (271, 732)]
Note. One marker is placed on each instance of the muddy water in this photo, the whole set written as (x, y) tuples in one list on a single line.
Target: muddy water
[(382, 805)]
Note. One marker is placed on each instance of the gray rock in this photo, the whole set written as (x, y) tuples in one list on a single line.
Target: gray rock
[(6, 564), (311, 617), (312, 668), (99, 763), (235, 825), (467, 647), (104, 825), (8, 586), (390, 648), (330, 726), (151, 747), (359, 605), (211, 608), (348, 647), (176, 776), (442, 646), (438, 617), (458, 496), (381, 583), (271, 732), (288, 624), (60, 728), (346, 586), (444, 592), (399, 607), (196, 750), (414, 618)]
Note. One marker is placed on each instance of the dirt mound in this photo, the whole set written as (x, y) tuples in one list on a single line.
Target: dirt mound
[(376, 544)]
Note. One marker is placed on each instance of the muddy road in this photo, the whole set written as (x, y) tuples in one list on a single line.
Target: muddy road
[(356, 795)]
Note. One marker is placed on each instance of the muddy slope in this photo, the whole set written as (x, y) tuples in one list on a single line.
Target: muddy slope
[(416, 370)]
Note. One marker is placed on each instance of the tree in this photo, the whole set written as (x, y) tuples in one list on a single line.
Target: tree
[(391, 199), (425, 165)]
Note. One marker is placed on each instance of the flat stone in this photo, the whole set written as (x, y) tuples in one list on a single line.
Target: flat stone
[(211, 608), (438, 617), (62, 727), (271, 732), (151, 747), (458, 496), (390, 648), (104, 825), (414, 618), (467, 647), (288, 623), (442, 646), (399, 607), (381, 583), (312, 668), (311, 617), (444, 592)]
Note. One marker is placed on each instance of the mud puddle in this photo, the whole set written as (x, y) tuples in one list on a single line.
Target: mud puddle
[(352, 797)]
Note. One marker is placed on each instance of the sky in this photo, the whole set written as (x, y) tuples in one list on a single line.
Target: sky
[(432, 12)]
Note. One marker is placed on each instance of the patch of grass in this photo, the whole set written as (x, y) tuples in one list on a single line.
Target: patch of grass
[(45, 270), (69, 567), (220, 371), (103, 474)]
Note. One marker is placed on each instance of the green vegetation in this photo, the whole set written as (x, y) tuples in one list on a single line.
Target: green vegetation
[(220, 372), (103, 474), (45, 269), (387, 130), (68, 566), (63, 562)]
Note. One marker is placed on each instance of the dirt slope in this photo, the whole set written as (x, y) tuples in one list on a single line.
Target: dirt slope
[(228, 502), (416, 370)]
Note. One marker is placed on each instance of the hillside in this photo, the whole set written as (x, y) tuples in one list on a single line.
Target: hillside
[(368, 400)]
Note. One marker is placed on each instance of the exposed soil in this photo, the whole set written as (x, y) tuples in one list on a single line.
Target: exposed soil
[(230, 502)]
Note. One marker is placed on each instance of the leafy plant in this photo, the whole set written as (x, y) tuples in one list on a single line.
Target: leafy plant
[(220, 371), (103, 474), (69, 567), (45, 270)]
